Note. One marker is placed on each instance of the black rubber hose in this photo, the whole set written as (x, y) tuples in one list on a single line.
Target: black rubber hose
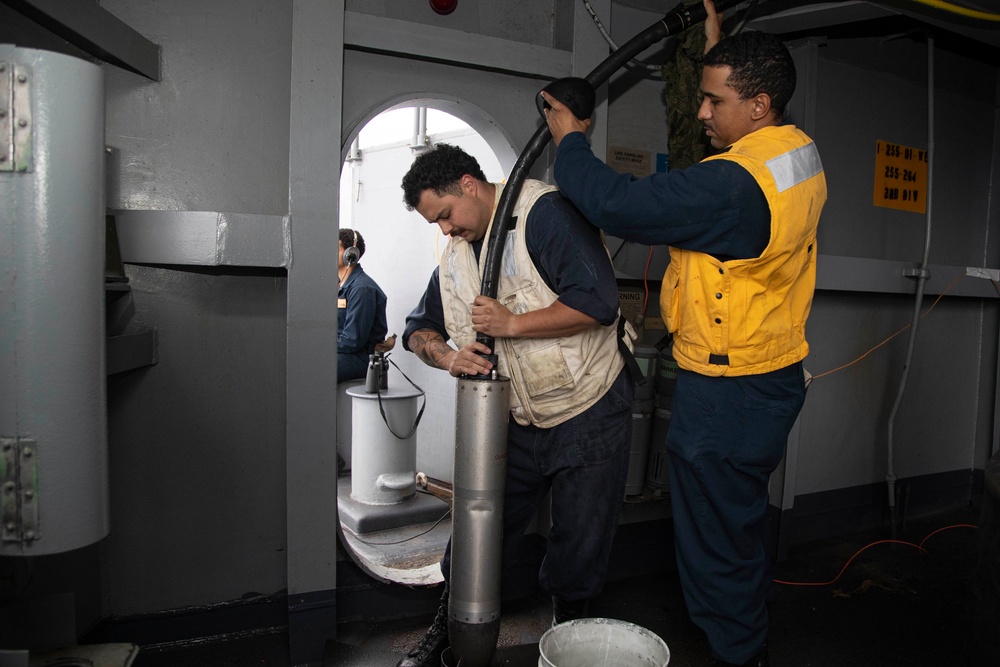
[(676, 20)]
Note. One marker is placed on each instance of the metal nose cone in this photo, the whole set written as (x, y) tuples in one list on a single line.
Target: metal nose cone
[(472, 644)]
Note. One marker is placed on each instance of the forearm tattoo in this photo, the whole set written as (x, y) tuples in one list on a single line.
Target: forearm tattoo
[(432, 349)]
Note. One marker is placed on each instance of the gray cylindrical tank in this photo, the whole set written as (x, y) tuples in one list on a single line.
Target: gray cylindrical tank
[(642, 424), (666, 379), (383, 465), (53, 417)]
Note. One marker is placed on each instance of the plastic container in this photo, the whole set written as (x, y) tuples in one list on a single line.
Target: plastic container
[(601, 642)]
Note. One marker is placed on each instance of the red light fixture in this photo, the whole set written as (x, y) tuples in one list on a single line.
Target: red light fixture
[(443, 6)]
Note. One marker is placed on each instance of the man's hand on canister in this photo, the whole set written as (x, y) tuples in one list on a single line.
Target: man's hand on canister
[(434, 351), (470, 360)]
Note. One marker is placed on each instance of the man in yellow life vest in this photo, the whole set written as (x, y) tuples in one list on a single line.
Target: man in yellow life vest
[(741, 230)]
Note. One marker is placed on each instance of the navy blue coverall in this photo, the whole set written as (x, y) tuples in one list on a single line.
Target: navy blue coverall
[(361, 323)]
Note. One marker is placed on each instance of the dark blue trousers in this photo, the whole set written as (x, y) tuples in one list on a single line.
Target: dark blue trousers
[(726, 437), (584, 462), (351, 366)]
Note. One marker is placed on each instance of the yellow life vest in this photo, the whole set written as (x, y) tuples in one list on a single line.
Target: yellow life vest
[(748, 316)]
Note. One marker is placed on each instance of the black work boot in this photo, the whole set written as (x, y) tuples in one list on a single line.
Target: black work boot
[(428, 652), (567, 610), (759, 660)]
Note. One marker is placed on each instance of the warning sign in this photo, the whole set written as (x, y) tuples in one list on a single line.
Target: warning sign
[(900, 177), (630, 161), (631, 302)]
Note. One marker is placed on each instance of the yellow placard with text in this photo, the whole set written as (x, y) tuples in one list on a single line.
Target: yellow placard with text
[(900, 177)]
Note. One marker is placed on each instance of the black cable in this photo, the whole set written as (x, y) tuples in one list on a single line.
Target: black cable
[(676, 21), (618, 251), (416, 422), (405, 539)]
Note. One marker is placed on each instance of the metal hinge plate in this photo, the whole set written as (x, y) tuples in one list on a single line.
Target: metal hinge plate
[(19, 489), (15, 117), (6, 108)]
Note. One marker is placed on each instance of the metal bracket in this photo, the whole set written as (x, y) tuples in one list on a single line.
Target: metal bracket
[(21, 118), (983, 272), (917, 273), (15, 117), (6, 108), (19, 489)]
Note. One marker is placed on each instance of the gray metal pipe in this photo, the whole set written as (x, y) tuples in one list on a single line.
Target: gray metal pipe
[(419, 139)]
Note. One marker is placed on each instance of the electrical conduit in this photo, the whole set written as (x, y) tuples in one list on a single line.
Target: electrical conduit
[(922, 275)]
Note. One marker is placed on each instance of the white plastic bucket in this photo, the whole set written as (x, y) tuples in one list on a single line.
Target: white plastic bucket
[(601, 642)]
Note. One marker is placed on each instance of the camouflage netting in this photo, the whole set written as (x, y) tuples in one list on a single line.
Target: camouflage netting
[(687, 142)]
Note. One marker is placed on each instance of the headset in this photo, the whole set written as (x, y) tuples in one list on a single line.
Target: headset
[(352, 255)]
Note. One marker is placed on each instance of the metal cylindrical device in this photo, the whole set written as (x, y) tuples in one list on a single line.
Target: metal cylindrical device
[(646, 357), (657, 471), (383, 465), (53, 406), (482, 411), (642, 423), (666, 379)]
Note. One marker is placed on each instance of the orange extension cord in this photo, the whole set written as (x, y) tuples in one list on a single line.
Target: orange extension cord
[(925, 314), (919, 547)]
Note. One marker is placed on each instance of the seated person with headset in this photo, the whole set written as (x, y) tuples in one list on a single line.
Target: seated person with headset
[(361, 324)]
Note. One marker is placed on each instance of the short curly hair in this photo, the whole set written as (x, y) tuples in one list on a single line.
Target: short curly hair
[(760, 63), (350, 237), (440, 170)]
